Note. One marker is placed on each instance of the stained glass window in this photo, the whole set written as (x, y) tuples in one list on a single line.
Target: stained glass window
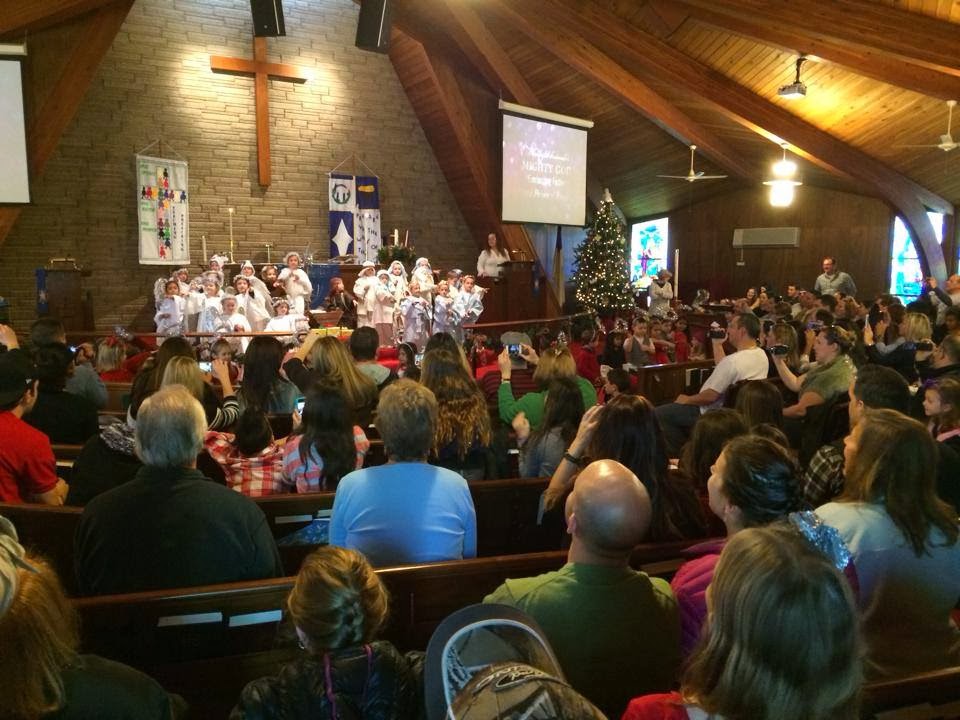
[(649, 249), (906, 277)]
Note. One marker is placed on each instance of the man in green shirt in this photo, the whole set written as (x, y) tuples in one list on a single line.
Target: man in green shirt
[(615, 631)]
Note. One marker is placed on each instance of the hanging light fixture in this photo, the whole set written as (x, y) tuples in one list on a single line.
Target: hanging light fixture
[(796, 89), (784, 181)]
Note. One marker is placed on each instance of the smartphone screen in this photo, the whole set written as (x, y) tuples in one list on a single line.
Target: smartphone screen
[(418, 359), (205, 366), (301, 401)]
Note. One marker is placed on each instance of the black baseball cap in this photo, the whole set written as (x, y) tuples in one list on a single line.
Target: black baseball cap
[(17, 374)]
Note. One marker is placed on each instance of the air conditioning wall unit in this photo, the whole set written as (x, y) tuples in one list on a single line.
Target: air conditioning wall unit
[(766, 237)]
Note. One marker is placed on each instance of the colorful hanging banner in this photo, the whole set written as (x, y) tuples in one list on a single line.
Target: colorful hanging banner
[(163, 211), (343, 205), (367, 220), (354, 216)]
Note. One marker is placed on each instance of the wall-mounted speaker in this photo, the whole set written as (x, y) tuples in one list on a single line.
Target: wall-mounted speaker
[(373, 28), (267, 18)]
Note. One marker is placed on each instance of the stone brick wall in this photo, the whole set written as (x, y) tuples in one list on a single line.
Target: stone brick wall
[(155, 82)]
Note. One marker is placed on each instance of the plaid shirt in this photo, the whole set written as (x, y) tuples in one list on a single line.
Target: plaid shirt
[(823, 478), (255, 476), (308, 477)]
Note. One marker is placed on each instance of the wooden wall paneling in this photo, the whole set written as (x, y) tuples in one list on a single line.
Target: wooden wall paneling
[(755, 112), (91, 42), (856, 230), (23, 15), (562, 40), (863, 61), (887, 30)]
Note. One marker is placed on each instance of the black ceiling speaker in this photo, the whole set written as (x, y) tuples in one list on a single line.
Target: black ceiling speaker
[(268, 18), (373, 28)]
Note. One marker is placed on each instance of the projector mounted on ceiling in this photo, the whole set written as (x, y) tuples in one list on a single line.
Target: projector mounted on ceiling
[(796, 89)]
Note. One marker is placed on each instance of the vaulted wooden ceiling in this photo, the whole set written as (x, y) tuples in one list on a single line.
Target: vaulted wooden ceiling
[(656, 75)]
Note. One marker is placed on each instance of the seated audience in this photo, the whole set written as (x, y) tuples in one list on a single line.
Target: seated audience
[(904, 543), (84, 381), (338, 607), (895, 345), (106, 461), (714, 430), (463, 431), (758, 402), (626, 430), (874, 387), (825, 382), (364, 342), (149, 378), (542, 451), (331, 364), (521, 375), (595, 609), (556, 362), (112, 363), (749, 362), (754, 482), (942, 406), (263, 385), (61, 416), (251, 459), (42, 672), (782, 640), (785, 335), (325, 445), (407, 361), (943, 360), (170, 526), (28, 470), (405, 511), (186, 372), (617, 382)]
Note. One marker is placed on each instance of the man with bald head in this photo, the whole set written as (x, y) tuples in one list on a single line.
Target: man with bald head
[(614, 630)]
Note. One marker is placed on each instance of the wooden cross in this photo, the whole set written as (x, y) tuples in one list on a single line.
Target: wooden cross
[(260, 69)]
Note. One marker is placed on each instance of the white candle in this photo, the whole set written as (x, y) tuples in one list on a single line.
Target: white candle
[(676, 273), (396, 236), (203, 249), (230, 214)]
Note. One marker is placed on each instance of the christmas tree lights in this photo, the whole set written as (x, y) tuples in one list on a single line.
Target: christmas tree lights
[(602, 279)]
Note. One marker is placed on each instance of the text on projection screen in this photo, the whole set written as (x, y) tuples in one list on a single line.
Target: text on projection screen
[(544, 172), (14, 179)]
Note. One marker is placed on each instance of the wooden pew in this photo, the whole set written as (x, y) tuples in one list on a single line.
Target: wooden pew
[(929, 696), (118, 396), (662, 383), (47, 530)]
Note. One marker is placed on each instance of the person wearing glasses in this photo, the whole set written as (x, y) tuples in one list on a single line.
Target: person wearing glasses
[(828, 379)]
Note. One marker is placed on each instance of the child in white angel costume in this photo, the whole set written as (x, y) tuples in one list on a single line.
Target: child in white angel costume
[(365, 293), (296, 283)]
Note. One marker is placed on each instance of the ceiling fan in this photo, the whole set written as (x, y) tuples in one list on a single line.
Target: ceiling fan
[(693, 176), (947, 143)]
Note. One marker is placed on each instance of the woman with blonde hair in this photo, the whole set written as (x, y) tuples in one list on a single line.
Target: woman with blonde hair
[(330, 363), (781, 640), (463, 435), (42, 673), (185, 371), (556, 362), (894, 343), (905, 544), (338, 606)]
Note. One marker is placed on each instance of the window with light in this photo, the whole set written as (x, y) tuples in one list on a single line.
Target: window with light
[(906, 277), (649, 249)]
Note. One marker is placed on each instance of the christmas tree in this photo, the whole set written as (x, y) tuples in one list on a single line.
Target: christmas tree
[(601, 278)]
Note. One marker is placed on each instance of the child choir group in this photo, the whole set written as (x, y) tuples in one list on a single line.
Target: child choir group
[(410, 309), (400, 308)]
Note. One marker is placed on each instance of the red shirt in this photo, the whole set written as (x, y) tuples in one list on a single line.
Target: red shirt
[(666, 706), (27, 465)]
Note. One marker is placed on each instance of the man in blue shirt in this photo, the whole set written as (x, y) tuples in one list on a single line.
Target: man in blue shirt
[(405, 511)]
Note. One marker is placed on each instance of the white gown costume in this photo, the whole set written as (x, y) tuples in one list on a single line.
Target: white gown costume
[(365, 292), (253, 305), (469, 306), (174, 322), (423, 274), (383, 308), (416, 313), (235, 323), (445, 315)]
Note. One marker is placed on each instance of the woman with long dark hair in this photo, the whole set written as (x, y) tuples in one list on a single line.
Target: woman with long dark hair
[(263, 387), (325, 444), (542, 450), (626, 430)]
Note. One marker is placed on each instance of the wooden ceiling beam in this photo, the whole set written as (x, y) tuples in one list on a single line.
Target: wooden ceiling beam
[(646, 54), (93, 40), (33, 15), (885, 29), (562, 40), (493, 62), (863, 61)]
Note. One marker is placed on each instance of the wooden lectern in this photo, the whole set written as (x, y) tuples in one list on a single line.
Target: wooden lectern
[(512, 296), (65, 298)]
